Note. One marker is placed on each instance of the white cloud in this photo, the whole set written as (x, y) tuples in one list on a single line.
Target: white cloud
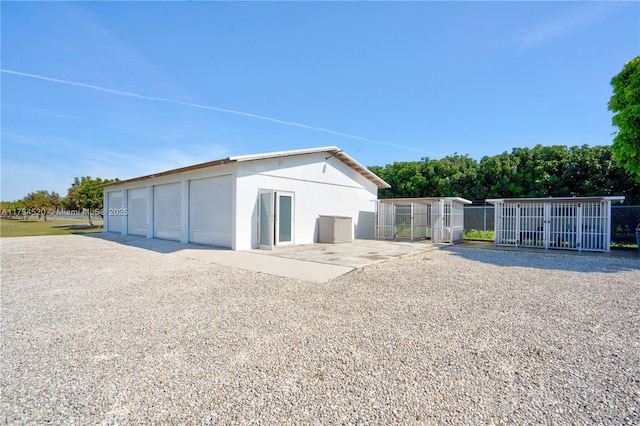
[(211, 108), (579, 17), (39, 111), (18, 139)]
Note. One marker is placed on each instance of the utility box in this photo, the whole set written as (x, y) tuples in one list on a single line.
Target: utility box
[(335, 229)]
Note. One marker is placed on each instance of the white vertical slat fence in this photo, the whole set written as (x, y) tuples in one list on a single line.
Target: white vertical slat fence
[(563, 224), (440, 219)]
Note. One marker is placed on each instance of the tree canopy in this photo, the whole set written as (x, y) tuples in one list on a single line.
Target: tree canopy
[(41, 203), (625, 103), (541, 171), (83, 195)]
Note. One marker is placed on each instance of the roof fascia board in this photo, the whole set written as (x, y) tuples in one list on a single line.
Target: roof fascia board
[(613, 198), (424, 200), (168, 172)]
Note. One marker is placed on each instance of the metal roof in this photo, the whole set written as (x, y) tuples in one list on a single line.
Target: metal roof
[(619, 198), (333, 151), (423, 200)]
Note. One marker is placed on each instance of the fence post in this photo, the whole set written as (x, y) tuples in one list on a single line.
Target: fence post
[(484, 226)]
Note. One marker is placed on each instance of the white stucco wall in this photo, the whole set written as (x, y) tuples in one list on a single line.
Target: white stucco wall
[(321, 186)]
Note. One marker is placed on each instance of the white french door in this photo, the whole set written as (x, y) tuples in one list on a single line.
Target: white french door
[(284, 217), (275, 218)]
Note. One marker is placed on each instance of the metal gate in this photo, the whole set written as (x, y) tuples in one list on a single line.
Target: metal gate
[(439, 221), (569, 224), (410, 221), (421, 220), (385, 221), (404, 221)]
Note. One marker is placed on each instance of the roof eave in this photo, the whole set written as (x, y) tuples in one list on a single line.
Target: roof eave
[(333, 150), (424, 200), (368, 174), (168, 172), (612, 198)]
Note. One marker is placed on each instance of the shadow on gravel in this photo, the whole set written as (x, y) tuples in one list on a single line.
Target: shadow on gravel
[(75, 227), (549, 259), (152, 244)]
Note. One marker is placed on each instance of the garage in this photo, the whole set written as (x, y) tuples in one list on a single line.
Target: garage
[(137, 211), (216, 203), (166, 211), (115, 211), (210, 211)]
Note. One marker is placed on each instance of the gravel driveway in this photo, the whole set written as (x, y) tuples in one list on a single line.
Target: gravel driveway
[(97, 332)]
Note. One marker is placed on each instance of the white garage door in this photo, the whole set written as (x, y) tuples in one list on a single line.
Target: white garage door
[(210, 211), (137, 211), (166, 211), (116, 212)]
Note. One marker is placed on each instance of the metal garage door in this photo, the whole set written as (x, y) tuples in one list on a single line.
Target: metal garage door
[(166, 211), (137, 211), (210, 211), (116, 213)]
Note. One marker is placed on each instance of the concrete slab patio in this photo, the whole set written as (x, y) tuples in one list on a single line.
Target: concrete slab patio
[(318, 263), (355, 254)]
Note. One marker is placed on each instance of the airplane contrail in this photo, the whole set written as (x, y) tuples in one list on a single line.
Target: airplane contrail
[(208, 107)]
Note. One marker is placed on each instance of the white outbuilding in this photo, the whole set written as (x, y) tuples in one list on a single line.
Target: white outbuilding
[(569, 223), (249, 201)]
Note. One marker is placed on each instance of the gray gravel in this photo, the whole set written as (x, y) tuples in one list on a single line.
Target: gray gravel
[(96, 332)]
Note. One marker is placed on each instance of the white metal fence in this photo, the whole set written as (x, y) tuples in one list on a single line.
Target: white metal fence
[(441, 220), (624, 219), (561, 225), (385, 221)]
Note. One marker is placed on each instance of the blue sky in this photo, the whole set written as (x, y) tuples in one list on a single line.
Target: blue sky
[(123, 89)]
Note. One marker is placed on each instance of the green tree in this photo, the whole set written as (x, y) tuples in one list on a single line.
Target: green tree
[(72, 200), (405, 178), (41, 203), (16, 208), (455, 176), (83, 195), (541, 171), (497, 175), (625, 104)]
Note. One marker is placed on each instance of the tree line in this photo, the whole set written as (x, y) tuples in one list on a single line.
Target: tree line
[(82, 198), (541, 171)]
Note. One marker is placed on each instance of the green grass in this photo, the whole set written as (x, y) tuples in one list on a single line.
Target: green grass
[(477, 235), (474, 234), (56, 226), (623, 245)]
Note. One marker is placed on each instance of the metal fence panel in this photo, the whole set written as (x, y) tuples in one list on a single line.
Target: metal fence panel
[(532, 225), (624, 220), (385, 221), (562, 227), (594, 219), (457, 221), (421, 220), (479, 218), (622, 223), (403, 220)]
